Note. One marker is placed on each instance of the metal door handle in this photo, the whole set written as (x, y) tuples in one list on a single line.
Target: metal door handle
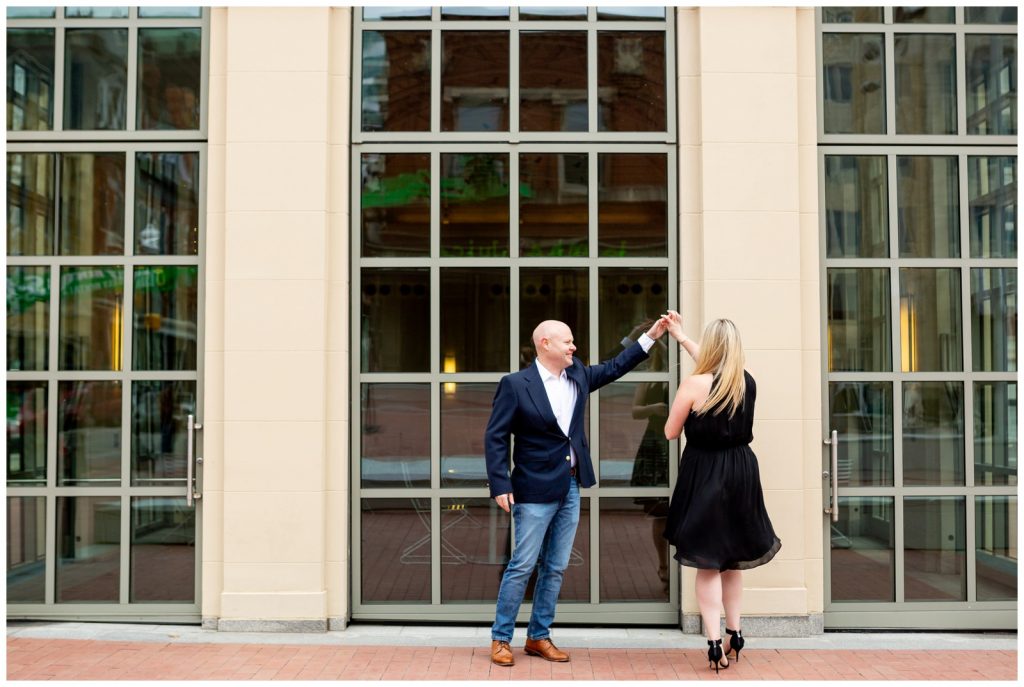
[(833, 475), (191, 460)]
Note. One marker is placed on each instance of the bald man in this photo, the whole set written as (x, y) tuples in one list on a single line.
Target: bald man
[(542, 407)]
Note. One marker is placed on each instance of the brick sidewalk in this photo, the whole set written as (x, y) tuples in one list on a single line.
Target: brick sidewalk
[(71, 659)]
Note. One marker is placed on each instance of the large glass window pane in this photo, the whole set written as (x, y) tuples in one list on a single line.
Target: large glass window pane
[(991, 85), (26, 433), (934, 548), (923, 15), (92, 203), (933, 434), (166, 317), (169, 85), (88, 433), (395, 561), (856, 206), (853, 83), (474, 81), (395, 436), (576, 579), (167, 203), (553, 294), (95, 78), (863, 555), (31, 203), (632, 204), (862, 414), (474, 319), (395, 320), (465, 410), (992, 203), (160, 411), (397, 13), (630, 299), (474, 205), (394, 204), (476, 13), (634, 556), (634, 451), (26, 549), (396, 80), (631, 81), (88, 548), (30, 55), (994, 319), (851, 15), (170, 12), (553, 205), (96, 12), (930, 334), (628, 13), (163, 550), (475, 547), (859, 338), (995, 433), (553, 81), (925, 83), (30, 12), (928, 202), (28, 318), (91, 318), (990, 15), (552, 13), (995, 542)]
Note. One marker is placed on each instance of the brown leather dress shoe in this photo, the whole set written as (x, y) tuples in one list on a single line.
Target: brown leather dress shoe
[(501, 654), (546, 650)]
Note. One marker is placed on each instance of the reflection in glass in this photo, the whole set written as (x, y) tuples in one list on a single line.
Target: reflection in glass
[(169, 70), (26, 549), (553, 205), (475, 547), (991, 84), (933, 433), (394, 203), (928, 202), (26, 434), (553, 80), (396, 80), (96, 12), (992, 208), (30, 203), (856, 206), (629, 300), (170, 12), (925, 83), (552, 13), (474, 80), (853, 83), (30, 55), (934, 548), (166, 317), (634, 555), (395, 320), (167, 203), (632, 204), (474, 13), (990, 15), (88, 433), (28, 317), (634, 451), (395, 435), (551, 293), (163, 550), (862, 413), (465, 410), (631, 81), (88, 548), (859, 337), (398, 13), (851, 15), (576, 579), (995, 541), (995, 433), (91, 318), (92, 203), (30, 12), (160, 411), (923, 15), (395, 555), (474, 205), (863, 556), (626, 13), (930, 338), (994, 319), (96, 78), (474, 319)]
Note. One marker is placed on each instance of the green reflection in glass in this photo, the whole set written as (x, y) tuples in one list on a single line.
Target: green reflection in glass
[(28, 318), (91, 318), (995, 547), (26, 433), (169, 67), (166, 317), (160, 411), (862, 550), (995, 433), (928, 202), (930, 333), (853, 83), (31, 203), (395, 204), (991, 85), (856, 206), (553, 205), (96, 82), (934, 548), (933, 433), (994, 319), (474, 205), (26, 549), (858, 320), (862, 413), (925, 83), (30, 56), (992, 206)]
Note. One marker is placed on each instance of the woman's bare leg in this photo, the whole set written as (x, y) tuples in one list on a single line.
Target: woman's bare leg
[(732, 598), (709, 598)]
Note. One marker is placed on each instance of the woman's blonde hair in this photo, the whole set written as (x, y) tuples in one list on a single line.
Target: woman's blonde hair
[(721, 354)]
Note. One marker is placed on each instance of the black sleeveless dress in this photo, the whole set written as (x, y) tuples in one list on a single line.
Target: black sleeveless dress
[(717, 519)]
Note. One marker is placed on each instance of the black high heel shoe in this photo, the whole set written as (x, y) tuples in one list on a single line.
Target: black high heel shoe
[(735, 642), (715, 656)]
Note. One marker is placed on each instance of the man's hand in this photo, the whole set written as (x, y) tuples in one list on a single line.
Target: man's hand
[(658, 329), (504, 501)]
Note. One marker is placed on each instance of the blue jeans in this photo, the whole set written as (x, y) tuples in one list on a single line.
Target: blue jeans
[(544, 531)]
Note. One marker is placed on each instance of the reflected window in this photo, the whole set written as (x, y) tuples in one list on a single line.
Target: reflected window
[(396, 80), (27, 413), (930, 333), (96, 78), (925, 83), (992, 206), (853, 83), (91, 318), (928, 202), (166, 313), (395, 13), (30, 56), (552, 80), (923, 15), (160, 411), (475, 547), (167, 203), (169, 78), (26, 549), (856, 206), (96, 12), (474, 205), (89, 433), (28, 318), (631, 81), (474, 80), (92, 200), (994, 319), (991, 85), (858, 320), (31, 203), (995, 552), (851, 15), (995, 433), (561, 294), (862, 413)]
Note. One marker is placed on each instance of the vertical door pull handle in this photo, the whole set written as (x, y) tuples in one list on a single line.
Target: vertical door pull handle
[(833, 474)]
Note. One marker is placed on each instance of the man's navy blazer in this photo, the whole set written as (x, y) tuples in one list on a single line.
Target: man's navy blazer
[(540, 457)]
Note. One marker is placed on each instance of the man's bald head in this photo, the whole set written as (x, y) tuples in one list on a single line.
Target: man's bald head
[(554, 344)]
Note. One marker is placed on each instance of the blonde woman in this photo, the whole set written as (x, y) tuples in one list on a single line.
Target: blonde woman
[(717, 520)]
